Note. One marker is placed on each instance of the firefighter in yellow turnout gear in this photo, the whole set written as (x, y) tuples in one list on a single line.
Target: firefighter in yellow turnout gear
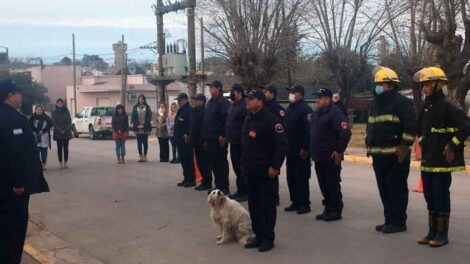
[(390, 134), (443, 128)]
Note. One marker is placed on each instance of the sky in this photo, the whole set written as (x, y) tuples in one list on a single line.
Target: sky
[(43, 28)]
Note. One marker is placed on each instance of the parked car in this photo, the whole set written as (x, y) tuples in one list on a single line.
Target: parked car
[(94, 121)]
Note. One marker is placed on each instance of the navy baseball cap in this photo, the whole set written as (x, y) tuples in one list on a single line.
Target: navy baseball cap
[(8, 86), (296, 89), (271, 88), (215, 83), (256, 94), (182, 96), (238, 88), (323, 92), (199, 97)]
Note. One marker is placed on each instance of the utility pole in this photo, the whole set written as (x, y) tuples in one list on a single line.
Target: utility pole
[(123, 73), (203, 67), (161, 50), (191, 49), (74, 76)]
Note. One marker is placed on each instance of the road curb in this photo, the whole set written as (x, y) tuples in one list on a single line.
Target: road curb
[(46, 248), (36, 254), (368, 160)]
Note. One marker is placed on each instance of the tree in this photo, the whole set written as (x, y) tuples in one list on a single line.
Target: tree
[(33, 92), (65, 61), (94, 61), (452, 50), (252, 35), (345, 32)]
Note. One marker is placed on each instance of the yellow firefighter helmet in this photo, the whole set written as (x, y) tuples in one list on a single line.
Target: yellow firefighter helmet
[(430, 74), (385, 75)]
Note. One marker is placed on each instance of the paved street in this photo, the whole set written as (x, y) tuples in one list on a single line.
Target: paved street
[(134, 213)]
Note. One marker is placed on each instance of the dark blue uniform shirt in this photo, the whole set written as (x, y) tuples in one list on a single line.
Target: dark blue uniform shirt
[(235, 119), (329, 132), (183, 122)]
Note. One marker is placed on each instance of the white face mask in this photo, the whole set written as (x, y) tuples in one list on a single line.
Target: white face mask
[(161, 111), (291, 97)]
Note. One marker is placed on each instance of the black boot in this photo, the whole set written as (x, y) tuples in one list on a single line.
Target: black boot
[(441, 237), (379, 228), (432, 229), (253, 243)]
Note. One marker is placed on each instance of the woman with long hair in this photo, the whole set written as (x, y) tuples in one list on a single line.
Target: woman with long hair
[(171, 127), (62, 123), (162, 133), (120, 125), (141, 117), (41, 125)]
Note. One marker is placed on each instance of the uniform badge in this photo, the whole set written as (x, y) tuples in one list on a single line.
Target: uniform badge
[(282, 113), (17, 131), (309, 117), (344, 125), (181, 119), (279, 128), (252, 134)]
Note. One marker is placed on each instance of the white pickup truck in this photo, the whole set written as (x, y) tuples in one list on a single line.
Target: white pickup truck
[(94, 121)]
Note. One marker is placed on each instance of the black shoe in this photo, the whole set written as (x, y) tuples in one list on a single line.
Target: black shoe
[(253, 243), (181, 184), (332, 216), (303, 210), (189, 184), (203, 187), (226, 192), (266, 246), (242, 198), (391, 229), (291, 208), (321, 216), (210, 190), (173, 161), (379, 228), (235, 195)]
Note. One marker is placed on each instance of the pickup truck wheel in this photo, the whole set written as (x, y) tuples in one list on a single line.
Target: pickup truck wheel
[(92, 132), (74, 131)]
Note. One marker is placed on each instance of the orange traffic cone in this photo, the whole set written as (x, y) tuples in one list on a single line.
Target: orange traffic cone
[(197, 173), (419, 189)]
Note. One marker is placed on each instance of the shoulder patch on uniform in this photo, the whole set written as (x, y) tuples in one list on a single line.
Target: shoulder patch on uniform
[(344, 125), (17, 131), (309, 116), (282, 113), (279, 128)]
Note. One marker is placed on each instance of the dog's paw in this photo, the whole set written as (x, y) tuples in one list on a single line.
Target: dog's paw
[(221, 241), (219, 237)]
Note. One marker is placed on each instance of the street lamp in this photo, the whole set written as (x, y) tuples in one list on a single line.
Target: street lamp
[(8, 58)]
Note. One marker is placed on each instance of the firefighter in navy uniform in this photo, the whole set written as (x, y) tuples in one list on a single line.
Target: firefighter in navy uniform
[(330, 135), (197, 119), (233, 131), (264, 149), (20, 173), (181, 134), (390, 134), (443, 128), (213, 132), (297, 123), (270, 94)]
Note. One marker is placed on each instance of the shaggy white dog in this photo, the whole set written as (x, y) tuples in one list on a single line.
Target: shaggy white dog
[(230, 217)]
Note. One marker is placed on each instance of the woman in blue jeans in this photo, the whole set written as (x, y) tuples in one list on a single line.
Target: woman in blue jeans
[(171, 127), (120, 125), (141, 117)]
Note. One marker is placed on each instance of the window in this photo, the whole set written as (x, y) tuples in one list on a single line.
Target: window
[(87, 112), (102, 111)]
